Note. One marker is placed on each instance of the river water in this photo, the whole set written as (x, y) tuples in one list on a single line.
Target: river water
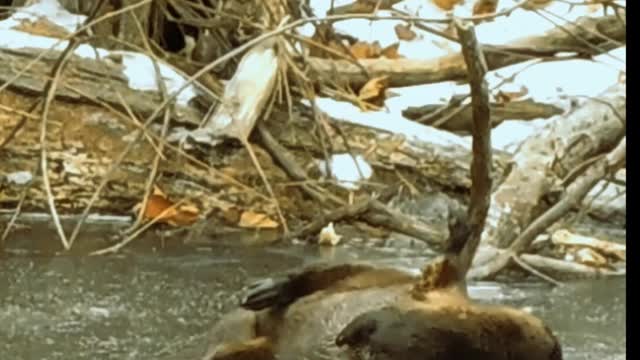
[(161, 305)]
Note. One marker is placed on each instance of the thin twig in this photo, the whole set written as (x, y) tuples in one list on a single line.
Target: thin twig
[(50, 90), (163, 134), (534, 271), (140, 230)]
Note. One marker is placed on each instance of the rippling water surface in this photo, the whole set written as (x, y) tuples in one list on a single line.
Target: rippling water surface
[(160, 306)]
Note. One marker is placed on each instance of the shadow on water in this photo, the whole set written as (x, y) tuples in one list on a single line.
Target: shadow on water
[(161, 306)]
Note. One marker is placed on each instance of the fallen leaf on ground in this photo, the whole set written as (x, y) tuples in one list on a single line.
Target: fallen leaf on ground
[(253, 220), (166, 211)]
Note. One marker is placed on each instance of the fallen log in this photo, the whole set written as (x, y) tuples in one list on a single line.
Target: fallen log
[(461, 121), (586, 37), (545, 165)]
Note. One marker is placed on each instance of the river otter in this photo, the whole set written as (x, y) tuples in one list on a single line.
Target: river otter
[(361, 311)]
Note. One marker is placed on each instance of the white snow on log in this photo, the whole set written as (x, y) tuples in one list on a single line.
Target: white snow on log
[(51, 9), (391, 121), (345, 171), (138, 68)]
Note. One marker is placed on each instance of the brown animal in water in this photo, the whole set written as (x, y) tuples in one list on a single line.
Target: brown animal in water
[(360, 311)]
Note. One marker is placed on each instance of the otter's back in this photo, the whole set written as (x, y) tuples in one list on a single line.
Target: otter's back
[(308, 328)]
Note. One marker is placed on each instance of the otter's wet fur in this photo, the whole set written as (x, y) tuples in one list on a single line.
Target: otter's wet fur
[(359, 311)]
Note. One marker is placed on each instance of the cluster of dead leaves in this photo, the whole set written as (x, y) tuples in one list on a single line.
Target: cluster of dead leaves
[(165, 211), (326, 43)]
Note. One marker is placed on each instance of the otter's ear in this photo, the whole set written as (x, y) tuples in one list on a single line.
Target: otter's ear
[(360, 331)]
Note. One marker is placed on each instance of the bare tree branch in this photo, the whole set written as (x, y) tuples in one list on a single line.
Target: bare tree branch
[(580, 38), (481, 128)]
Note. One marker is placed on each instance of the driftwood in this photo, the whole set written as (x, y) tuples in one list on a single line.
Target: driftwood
[(88, 81), (539, 171), (587, 37), (566, 269), (461, 121)]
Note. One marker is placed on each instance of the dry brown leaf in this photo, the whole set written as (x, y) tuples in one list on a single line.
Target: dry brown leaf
[(404, 32), (536, 4), (373, 94), (373, 88), (166, 211), (391, 51), (363, 50), (186, 214), (325, 35), (158, 191), (253, 220), (485, 7), (156, 205), (503, 97), (446, 5)]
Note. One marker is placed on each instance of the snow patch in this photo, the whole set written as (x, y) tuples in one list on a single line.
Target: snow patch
[(138, 68), (345, 170), (51, 9)]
